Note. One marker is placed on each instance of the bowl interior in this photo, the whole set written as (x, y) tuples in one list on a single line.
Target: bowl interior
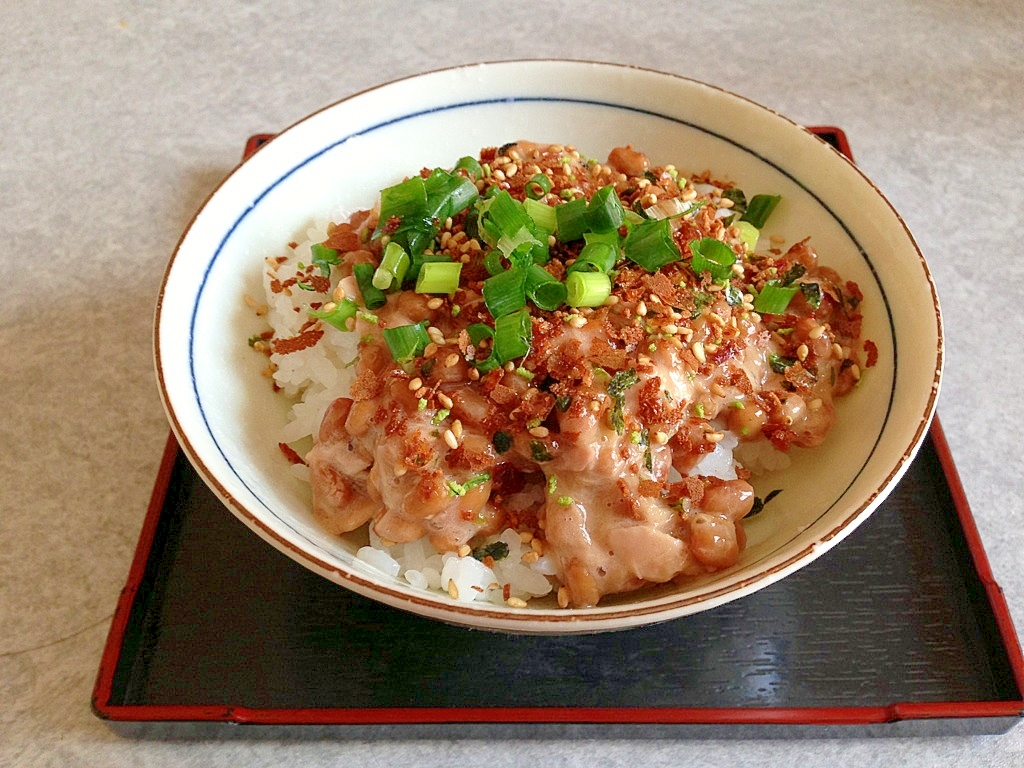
[(335, 162)]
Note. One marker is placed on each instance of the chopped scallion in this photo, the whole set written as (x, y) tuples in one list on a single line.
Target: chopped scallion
[(596, 256), (712, 256), (759, 209), (393, 266), (512, 336), (338, 315), (324, 258), (604, 211), (543, 289), (406, 342), (373, 297), (587, 289), (650, 245), (572, 220), (774, 298), (505, 292), (439, 277), (749, 234), (538, 186)]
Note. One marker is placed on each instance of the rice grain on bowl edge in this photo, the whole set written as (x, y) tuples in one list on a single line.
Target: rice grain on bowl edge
[(678, 490)]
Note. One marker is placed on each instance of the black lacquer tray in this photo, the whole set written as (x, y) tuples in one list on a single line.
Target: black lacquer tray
[(901, 629)]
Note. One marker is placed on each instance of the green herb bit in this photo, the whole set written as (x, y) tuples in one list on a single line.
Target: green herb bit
[(812, 293), (778, 363), (440, 416), (460, 489), (539, 451), (562, 403), (565, 501), (497, 550), (552, 484), (617, 387), (501, 441)]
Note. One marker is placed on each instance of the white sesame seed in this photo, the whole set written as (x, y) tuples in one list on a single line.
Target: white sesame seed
[(415, 384), (714, 437), (444, 400), (452, 360), (435, 303), (465, 550), (450, 439), (435, 335), (698, 351), (515, 602), (453, 589), (540, 432), (660, 438)]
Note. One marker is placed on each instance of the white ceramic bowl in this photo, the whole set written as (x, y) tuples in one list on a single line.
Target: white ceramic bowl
[(226, 417)]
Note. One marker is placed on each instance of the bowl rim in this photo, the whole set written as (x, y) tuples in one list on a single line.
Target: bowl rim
[(532, 620)]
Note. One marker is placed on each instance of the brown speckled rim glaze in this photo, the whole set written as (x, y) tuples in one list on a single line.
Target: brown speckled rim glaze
[(542, 620)]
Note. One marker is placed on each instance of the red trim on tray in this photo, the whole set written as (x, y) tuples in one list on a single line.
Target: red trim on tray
[(592, 715), (115, 637), (994, 593)]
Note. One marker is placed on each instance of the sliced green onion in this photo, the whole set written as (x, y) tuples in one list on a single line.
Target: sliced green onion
[(439, 277), (503, 215), (493, 262), (587, 289), (404, 199), (604, 211), (339, 315), (759, 209), (774, 298), (595, 257), (447, 195), (519, 247), (419, 205), (749, 234), (572, 220), (543, 289), (373, 297), (505, 292), (324, 258), (407, 342), (470, 165), (538, 186), (650, 245), (713, 256), (543, 215), (512, 336), (419, 259), (393, 266)]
